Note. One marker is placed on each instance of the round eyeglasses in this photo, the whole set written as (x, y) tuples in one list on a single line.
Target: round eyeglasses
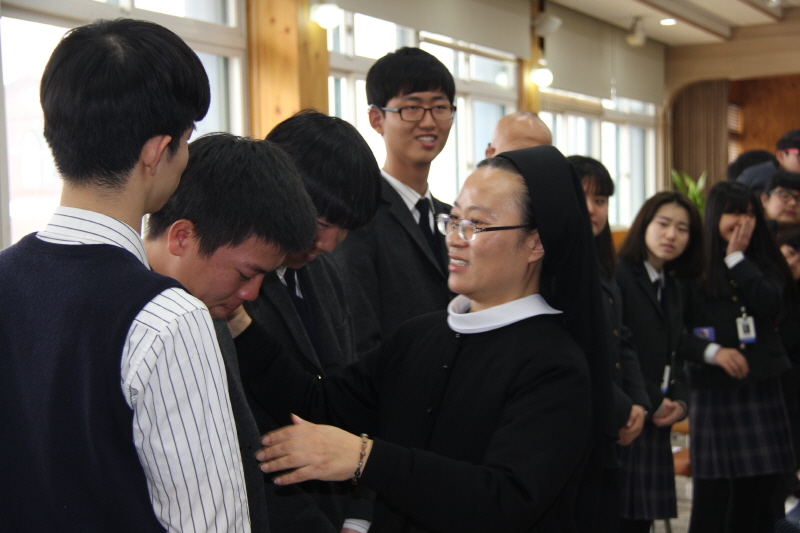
[(415, 113), (466, 228), (785, 195)]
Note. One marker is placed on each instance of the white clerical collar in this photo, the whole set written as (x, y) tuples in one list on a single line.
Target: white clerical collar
[(462, 321)]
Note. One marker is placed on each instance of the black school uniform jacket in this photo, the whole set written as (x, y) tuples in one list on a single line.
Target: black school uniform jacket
[(322, 287), (390, 272), (761, 295), (656, 329), (628, 388)]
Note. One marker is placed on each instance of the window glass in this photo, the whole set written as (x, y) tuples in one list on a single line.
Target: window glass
[(215, 11), (448, 56), (34, 184), (219, 113), (374, 38), (485, 115), (491, 70)]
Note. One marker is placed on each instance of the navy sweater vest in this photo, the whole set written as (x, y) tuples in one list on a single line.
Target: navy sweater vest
[(67, 458)]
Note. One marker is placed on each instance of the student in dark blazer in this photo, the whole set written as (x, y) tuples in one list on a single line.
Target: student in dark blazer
[(741, 443), (239, 208), (302, 305), (396, 268), (599, 501), (664, 243)]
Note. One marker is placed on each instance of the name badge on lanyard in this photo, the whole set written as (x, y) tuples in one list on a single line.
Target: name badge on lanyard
[(665, 380), (746, 328)]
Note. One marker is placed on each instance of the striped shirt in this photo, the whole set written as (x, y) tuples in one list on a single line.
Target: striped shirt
[(173, 378)]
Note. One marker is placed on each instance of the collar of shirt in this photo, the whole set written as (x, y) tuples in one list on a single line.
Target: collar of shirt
[(653, 274), (281, 272), (461, 320), (410, 196), (70, 225)]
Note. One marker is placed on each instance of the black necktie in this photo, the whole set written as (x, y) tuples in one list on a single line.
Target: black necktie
[(424, 207)]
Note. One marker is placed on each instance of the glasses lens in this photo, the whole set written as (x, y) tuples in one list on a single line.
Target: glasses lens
[(443, 112), (444, 225), (412, 114), (466, 230)]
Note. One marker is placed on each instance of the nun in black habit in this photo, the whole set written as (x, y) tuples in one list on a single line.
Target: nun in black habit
[(480, 417)]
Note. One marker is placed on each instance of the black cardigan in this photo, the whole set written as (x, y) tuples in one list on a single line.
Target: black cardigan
[(478, 432)]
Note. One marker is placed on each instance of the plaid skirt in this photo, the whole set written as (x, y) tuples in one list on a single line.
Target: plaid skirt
[(648, 476), (740, 432)]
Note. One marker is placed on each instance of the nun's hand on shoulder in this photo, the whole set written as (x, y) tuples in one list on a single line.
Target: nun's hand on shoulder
[(311, 451)]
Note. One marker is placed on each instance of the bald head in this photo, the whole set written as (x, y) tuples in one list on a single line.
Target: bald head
[(522, 129)]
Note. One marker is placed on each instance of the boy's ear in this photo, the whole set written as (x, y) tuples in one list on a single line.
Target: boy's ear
[(376, 118), (181, 237), (153, 151)]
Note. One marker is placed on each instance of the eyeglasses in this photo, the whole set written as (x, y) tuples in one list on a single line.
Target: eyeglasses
[(466, 229), (785, 195), (415, 113)]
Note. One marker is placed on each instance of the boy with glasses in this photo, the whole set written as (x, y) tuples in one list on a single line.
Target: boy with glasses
[(781, 199), (787, 153), (396, 268)]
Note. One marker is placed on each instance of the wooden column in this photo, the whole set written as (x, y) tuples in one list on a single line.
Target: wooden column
[(528, 91), (287, 62)]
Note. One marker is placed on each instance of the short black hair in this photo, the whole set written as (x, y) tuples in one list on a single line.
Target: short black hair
[(748, 159), (790, 139), (634, 249), (783, 179), (337, 166), (405, 71), (235, 188), (110, 86), (732, 197), (594, 176)]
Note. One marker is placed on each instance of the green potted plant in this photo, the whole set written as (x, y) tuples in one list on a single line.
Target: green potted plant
[(693, 189)]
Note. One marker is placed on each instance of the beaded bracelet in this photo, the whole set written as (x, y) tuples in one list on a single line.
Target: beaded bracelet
[(357, 473)]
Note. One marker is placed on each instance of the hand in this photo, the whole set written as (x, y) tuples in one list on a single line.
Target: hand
[(238, 321), (668, 413), (633, 427), (740, 239), (312, 451), (733, 362)]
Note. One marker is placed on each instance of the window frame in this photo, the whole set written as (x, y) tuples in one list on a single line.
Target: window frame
[(229, 40)]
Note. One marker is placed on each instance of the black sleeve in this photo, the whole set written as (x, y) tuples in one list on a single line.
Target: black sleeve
[(763, 292), (281, 386)]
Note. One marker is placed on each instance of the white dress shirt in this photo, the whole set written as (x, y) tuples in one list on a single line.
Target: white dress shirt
[(411, 197), (172, 377)]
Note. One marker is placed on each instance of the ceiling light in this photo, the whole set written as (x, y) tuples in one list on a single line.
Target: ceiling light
[(328, 15), (541, 75), (637, 36), (668, 22)]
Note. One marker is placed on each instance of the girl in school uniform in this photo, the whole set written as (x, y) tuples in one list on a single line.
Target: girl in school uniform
[(741, 444), (598, 504), (663, 244)]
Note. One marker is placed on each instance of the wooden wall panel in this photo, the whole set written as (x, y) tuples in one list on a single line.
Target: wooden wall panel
[(287, 62), (770, 108), (314, 62)]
